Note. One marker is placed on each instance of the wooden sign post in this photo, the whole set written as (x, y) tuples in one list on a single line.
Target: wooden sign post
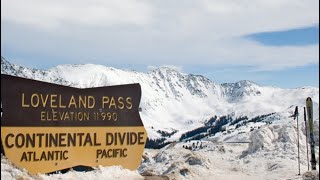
[(47, 127)]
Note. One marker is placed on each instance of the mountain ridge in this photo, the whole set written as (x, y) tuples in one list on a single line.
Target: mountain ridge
[(173, 101)]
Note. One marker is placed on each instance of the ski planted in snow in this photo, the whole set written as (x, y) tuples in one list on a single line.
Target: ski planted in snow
[(310, 118)]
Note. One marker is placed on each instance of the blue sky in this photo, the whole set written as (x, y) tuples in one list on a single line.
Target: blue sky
[(298, 37), (269, 42)]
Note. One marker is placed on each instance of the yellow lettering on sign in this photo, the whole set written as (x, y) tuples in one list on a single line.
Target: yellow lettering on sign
[(32, 156), (66, 116), (56, 101), (47, 149), (34, 100), (83, 102), (72, 102), (60, 102), (121, 104), (53, 99), (43, 117), (111, 153), (112, 103), (91, 102), (44, 100), (129, 103), (105, 100), (116, 102), (23, 103), (54, 115)]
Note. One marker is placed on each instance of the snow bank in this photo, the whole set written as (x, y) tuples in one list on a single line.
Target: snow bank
[(113, 172), (311, 175), (277, 137), (9, 171)]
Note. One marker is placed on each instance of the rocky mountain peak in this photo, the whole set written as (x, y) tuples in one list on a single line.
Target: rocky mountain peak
[(171, 99)]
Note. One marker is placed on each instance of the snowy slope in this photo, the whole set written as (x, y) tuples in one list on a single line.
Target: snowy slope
[(174, 101), (226, 160), (11, 172)]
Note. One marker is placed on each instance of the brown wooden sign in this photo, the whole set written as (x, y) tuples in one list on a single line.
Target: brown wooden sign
[(47, 127)]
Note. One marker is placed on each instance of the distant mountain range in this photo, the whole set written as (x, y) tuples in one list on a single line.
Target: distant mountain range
[(174, 103)]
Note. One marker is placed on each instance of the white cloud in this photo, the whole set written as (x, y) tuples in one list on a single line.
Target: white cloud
[(160, 32), (58, 14)]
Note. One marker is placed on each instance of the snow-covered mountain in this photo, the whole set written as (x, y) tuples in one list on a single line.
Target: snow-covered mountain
[(175, 102), (227, 131)]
